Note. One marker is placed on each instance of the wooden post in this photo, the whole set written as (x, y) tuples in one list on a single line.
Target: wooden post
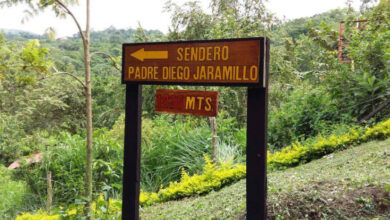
[(132, 153), (246, 52), (256, 151), (49, 192), (213, 125)]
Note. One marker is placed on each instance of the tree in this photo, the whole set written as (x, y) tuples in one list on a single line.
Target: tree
[(61, 9)]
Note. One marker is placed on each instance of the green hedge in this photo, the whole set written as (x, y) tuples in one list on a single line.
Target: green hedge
[(215, 176), (298, 153)]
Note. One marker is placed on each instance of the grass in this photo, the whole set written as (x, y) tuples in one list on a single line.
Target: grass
[(350, 184), (12, 194)]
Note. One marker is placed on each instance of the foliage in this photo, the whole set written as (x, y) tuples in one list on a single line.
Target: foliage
[(360, 87), (305, 112), (327, 188), (169, 144), (13, 194), (32, 100), (229, 19), (298, 153), (65, 158), (292, 155), (359, 172), (40, 215), (102, 209), (213, 177), (167, 147), (311, 93)]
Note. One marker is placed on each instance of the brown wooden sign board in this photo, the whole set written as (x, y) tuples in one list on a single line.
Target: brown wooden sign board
[(199, 63), (234, 61), (188, 102)]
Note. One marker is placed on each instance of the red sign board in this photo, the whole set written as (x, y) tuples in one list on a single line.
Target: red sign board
[(192, 102), (219, 62)]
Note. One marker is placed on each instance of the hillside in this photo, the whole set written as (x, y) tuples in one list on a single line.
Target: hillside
[(353, 183)]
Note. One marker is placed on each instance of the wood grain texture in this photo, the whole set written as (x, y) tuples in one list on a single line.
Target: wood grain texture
[(235, 61)]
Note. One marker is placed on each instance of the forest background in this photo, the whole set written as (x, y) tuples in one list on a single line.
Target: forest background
[(311, 93)]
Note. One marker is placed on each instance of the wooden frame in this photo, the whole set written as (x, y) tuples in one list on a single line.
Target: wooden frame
[(256, 185)]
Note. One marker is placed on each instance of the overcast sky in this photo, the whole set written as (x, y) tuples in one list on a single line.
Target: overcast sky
[(127, 13)]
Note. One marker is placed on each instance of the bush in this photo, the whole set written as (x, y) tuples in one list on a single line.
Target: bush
[(13, 194), (213, 177), (65, 158), (305, 113), (40, 215), (168, 146), (216, 176), (315, 148), (102, 209)]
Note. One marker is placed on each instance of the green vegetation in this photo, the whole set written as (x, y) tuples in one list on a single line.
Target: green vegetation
[(343, 185), (13, 194), (317, 106), (213, 177), (347, 184)]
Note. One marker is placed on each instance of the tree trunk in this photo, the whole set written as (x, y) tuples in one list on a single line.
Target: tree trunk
[(88, 103), (49, 192), (213, 125)]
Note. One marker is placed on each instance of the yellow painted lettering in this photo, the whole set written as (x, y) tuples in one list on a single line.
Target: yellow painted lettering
[(187, 54), (200, 99), (217, 51), (190, 103), (165, 74), (131, 71), (253, 73), (180, 54), (210, 72), (218, 73), (208, 104), (194, 53), (227, 72), (209, 53), (225, 53), (202, 54), (155, 72)]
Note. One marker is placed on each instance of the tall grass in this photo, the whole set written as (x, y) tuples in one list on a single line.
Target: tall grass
[(168, 147), (13, 195), (65, 159)]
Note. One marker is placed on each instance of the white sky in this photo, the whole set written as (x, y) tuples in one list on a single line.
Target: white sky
[(127, 13)]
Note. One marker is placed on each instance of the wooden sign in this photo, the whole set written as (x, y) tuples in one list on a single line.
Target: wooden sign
[(231, 62), (218, 62), (193, 102)]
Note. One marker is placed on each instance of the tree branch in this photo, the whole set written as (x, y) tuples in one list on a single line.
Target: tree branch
[(66, 73), (107, 55), (73, 17), (380, 108)]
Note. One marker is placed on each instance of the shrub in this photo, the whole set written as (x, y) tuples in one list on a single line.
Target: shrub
[(298, 153), (168, 145), (65, 158), (306, 112), (102, 209), (40, 215), (12, 193), (216, 176), (213, 177)]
